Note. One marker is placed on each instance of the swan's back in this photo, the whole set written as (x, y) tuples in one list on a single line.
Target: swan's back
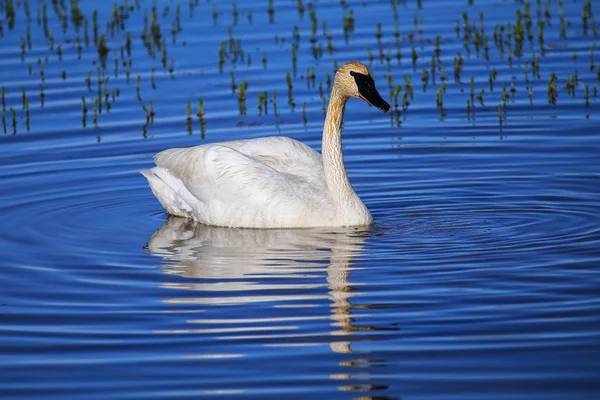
[(265, 182)]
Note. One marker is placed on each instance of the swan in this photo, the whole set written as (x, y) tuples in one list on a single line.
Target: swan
[(270, 182)]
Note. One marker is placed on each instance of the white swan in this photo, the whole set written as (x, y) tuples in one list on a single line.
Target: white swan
[(272, 182)]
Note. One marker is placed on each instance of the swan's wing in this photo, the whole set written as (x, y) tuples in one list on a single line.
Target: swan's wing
[(283, 154), (219, 175), (263, 188)]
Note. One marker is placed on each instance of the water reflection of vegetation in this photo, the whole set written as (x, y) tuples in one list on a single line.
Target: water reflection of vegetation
[(523, 40)]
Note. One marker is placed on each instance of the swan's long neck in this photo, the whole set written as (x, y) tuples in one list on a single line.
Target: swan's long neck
[(333, 160)]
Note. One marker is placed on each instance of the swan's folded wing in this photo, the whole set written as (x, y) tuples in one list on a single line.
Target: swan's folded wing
[(217, 174), (283, 154)]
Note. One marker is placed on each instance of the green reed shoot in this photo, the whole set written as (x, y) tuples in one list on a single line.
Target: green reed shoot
[(84, 112), (215, 14), (147, 113), (492, 78), (425, 79), (480, 97), (414, 56), (103, 50), (234, 12), (88, 80), (188, 109), (552, 90), (42, 95), (586, 94), (271, 12), (14, 120), (304, 113), (458, 66), (137, 87), (24, 96)]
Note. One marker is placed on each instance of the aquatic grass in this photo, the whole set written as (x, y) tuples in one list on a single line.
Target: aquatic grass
[(137, 87), (42, 95), (24, 96), (106, 94), (304, 113), (260, 103), (163, 57), (188, 109), (200, 113), (84, 110), (88, 80), (294, 58), (242, 89), (530, 94), (492, 78), (552, 90), (468, 109), (505, 95), (348, 24), (458, 66), (414, 57), (152, 112), (510, 38), (147, 112), (14, 120), (23, 47), (425, 79), (233, 84), (42, 74), (271, 12), (439, 95), (103, 50)]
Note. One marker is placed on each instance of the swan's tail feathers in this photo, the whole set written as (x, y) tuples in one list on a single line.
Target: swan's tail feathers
[(166, 195), (147, 173)]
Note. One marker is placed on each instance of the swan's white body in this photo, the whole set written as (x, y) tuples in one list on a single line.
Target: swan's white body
[(272, 182)]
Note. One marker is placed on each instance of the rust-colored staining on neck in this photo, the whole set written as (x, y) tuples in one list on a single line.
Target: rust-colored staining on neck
[(335, 113)]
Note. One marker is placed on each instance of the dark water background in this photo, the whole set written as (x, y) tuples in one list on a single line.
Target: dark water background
[(479, 279)]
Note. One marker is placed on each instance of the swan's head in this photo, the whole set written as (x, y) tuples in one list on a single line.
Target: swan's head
[(355, 81)]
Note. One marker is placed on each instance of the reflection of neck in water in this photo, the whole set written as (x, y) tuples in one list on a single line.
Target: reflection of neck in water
[(240, 258)]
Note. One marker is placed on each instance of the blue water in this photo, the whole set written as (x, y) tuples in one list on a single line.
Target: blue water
[(479, 279)]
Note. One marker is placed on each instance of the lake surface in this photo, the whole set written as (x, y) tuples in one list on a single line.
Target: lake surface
[(479, 279)]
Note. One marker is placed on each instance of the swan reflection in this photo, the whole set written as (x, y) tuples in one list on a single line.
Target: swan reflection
[(232, 260), (276, 269)]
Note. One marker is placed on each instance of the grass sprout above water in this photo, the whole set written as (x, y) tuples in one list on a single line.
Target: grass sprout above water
[(316, 43)]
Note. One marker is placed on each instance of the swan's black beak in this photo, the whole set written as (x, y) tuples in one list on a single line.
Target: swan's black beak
[(367, 91)]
